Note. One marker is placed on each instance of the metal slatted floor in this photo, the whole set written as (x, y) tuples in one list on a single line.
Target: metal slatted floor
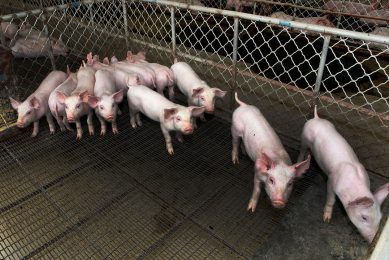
[(124, 196)]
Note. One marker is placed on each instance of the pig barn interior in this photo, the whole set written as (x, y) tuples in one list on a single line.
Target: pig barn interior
[(124, 196)]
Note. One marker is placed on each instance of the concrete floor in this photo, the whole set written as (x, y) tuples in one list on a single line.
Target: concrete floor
[(124, 196)]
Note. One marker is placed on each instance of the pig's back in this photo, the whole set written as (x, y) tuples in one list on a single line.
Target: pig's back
[(105, 83), (148, 101), (330, 149), (85, 81), (185, 77), (66, 88), (51, 82)]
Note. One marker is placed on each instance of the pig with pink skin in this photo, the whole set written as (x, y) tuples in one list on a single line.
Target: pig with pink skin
[(350, 7), (196, 90), (32, 48), (239, 4), (273, 166), (36, 105), (347, 178), (140, 56), (27, 32), (105, 100), (76, 104), (171, 116), (58, 109), (9, 30), (163, 75)]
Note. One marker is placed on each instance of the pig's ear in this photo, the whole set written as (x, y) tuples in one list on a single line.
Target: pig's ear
[(219, 93), (169, 113), (129, 56), (96, 57), (364, 202), (34, 102), (89, 59), (381, 193), (114, 59), (14, 103), (68, 71), (263, 163), (301, 167), (61, 97), (118, 96), (196, 111), (142, 54), (93, 101), (106, 61), (83, 96), (197, 91)]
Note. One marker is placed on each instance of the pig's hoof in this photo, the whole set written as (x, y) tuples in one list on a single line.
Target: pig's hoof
[(91, 132), (115, 131), (63, 129), (139, 123), (180, 139), (251, 206), (133, 125), (170, 151), (102, 132), (235, 160), (34, 134), (327, 217), (79, 136)]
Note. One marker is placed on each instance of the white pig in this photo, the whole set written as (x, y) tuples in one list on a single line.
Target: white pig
[(272, 163), (196, 90), (36, 105), (58, 109), (172, 117), (347, 178), (76, 105), (105, 100), (32, 48)]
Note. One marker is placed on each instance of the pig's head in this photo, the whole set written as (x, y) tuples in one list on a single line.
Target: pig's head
[(278, 177), (26, 111), (181, 117), (206, 97), (365, 212), (59, 47), (106, 105), (74, 104)]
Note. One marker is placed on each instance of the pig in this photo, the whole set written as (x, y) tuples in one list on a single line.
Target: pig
[(323, 21), (105, 100), (381, 13), (347, 178), (36, 105), (58, 109), (171, 116), (140, 56), (349, 7), (27, 32), (381, 31), (9, 30), (163, 75), (196, 90), (123, 79), (76, 104), (273, 166), (239, 4), (32, 48)]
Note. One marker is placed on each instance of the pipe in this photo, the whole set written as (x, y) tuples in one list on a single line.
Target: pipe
[(234, 60), (173, 25), (125, 18), (322, 64)]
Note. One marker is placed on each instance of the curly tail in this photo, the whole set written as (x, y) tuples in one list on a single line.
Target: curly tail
[(238, 101), (315, 112)]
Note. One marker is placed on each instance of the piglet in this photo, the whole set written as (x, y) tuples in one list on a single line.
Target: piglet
[(171, 116), (140, 56), (32, 48), (347, 178), (105, 99), (58, 109), (76, 104), (196, 90), (9, 30), (36, 105), (272, 163)]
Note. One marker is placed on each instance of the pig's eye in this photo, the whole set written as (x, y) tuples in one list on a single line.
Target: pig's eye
[(202, 98), (66, 106), (271, 180), (101, 107), (113, 105), (178, 118), (364, 218), (29, 112), (289, 184), (78, 106)]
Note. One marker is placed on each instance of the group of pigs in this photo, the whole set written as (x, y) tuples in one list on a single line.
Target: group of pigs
[(27, 42), (102, 85)]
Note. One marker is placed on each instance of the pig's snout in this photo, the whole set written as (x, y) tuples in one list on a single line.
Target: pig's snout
[(278, 204), (188, 130), (109, 117), (20, 123), (71, 118), (209, 109)]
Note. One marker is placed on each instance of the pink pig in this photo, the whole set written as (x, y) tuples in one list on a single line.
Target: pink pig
[(36, 105), (105, 100), (171, 116), (58, 109), (76, 104), (347, 178), (32, 48), (273, 166)]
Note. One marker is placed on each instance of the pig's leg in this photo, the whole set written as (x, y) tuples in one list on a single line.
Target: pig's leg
[(138, 121), (119, 112), (235, 145), (114, 127), (89, 120), (243, 148), (171, 93), (168, 140), (60, 123), (102, 125), (79, 129), (133, 112), (329, 203), (256, 191), (66, 123), (49, 118), (35, 131)]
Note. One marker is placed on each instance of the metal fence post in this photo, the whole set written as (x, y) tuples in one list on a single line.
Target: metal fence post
[(173, 25), (49, 44), (322, 63), (125, 24), (234, 61), (91, 14)]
